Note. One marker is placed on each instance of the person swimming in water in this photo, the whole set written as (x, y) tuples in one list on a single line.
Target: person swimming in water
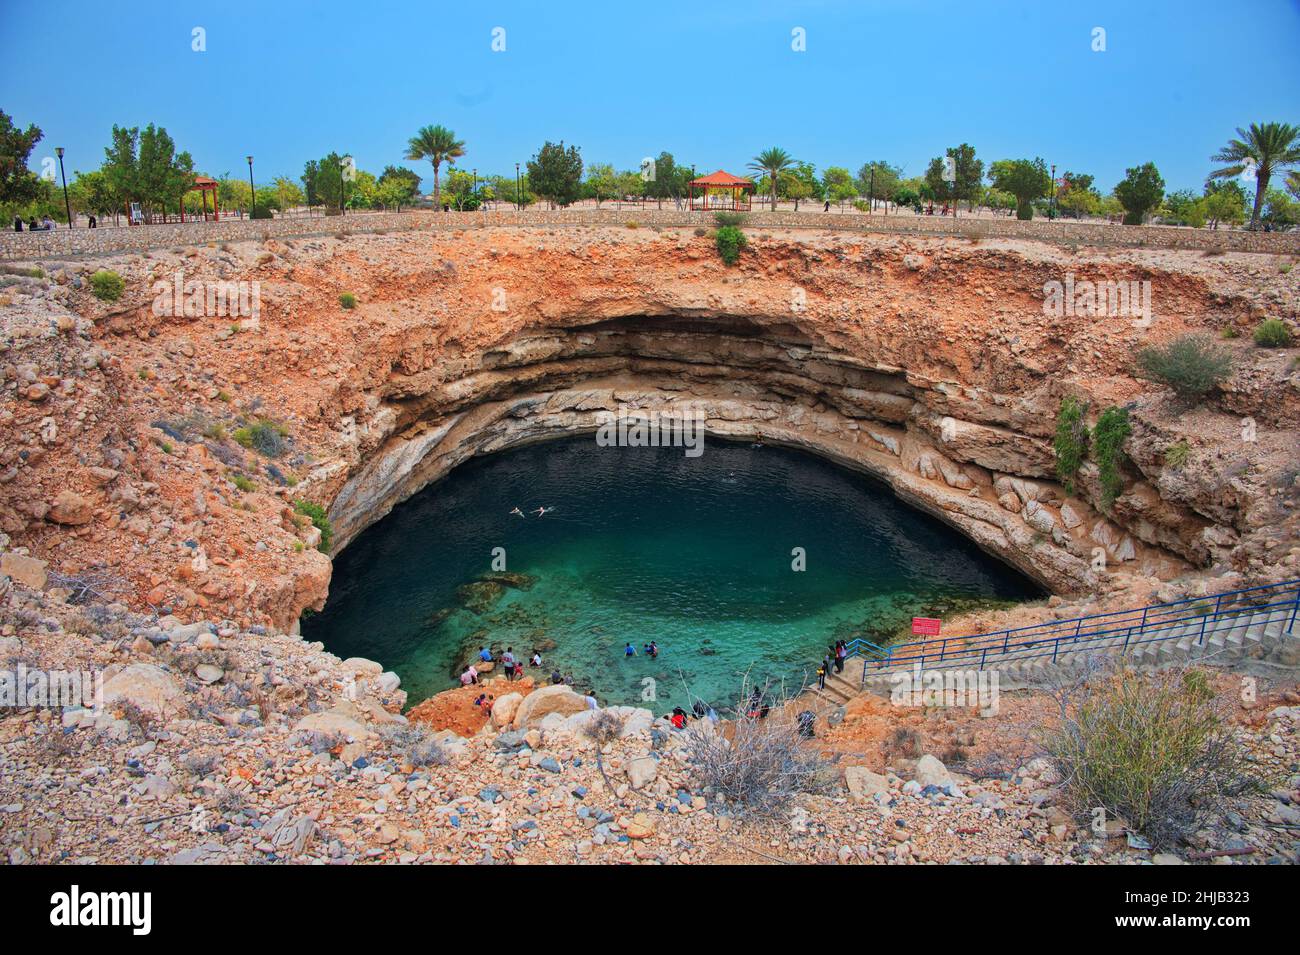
[(543, 510), (515, 510)]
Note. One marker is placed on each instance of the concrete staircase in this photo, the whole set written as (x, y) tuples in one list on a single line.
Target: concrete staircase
[(1209, 638)]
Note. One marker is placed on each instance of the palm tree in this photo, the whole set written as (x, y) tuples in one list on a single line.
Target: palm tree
[(1270, 148), (436, 144), (773, 162)]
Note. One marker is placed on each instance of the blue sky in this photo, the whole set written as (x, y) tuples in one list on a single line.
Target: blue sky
[(712, 83)]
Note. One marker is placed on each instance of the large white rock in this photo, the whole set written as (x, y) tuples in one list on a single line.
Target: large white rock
[(862, 783), (537, 705), (149, 687), (931, 772), (504, 709), (641, 772)]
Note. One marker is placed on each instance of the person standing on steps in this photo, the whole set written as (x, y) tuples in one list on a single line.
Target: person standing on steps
[(821, 676), (841, 654)]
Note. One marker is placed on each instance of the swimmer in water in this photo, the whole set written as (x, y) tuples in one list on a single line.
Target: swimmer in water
[(515, 510), (543, 510)]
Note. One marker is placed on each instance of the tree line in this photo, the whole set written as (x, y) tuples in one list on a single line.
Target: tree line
[(1253, 180)]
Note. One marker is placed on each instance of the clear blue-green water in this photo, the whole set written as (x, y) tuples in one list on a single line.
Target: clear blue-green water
[(647, 544)]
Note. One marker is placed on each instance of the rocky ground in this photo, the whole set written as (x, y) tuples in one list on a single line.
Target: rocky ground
[(156, 472), (220, 745)]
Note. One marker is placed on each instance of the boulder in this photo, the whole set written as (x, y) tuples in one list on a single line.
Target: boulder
[(150, 688), (863, 784), (642, 771), (70, 508), (26, 570), (931, 772), (504, 709), (536, 706)]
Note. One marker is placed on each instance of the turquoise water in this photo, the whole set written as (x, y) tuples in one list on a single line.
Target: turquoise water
[(647, 544)]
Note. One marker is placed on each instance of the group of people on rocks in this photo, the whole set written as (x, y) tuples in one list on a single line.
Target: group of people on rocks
[(834, 659), (510, 665), (699, 711)]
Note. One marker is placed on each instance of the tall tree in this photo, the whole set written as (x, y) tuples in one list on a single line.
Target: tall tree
[(879, 180), (1268, 147), (1141, 190), (143, 166), (602, 181), (772, 163), (967, 175), (1026, 179), (439, 145), (555, 173), (18, 184), (670, 179)]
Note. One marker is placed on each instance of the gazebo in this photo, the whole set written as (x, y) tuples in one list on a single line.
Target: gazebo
[(205, 184), (720, 191)]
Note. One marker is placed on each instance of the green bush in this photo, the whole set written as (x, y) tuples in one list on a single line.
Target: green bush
[(261, 212), (317, 515), (730, 242), (1176, 454), (1107, 440), (107, 286), (1191, 365), (1154, 751), (348, 300), (1272, 333), (243, 483), (264, 437), (1071, 442), (736, 219)]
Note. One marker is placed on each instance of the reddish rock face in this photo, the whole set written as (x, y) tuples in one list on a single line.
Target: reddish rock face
[(930, 362)]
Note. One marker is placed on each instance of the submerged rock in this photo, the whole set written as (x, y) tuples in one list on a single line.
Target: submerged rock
[(510, 579), (480, 596)]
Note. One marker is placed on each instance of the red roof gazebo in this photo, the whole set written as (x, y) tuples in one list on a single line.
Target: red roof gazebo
[(204, 185), (720, 191)]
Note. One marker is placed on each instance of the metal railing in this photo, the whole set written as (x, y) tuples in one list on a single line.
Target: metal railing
[(1122, 629)]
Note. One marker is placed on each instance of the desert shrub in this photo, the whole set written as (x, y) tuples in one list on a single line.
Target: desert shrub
[(107, 285), (1107, 440), (1176, 454), (1272, 333), (904, 742), (604, 727), (1071, 442), (730, 242), (316, 514), (415, 744), (1155, 751), (264, 437), (733, 219), (1191, 365), (200, 766), (243, 482), (761, 767), (633, 224), (348, 300)]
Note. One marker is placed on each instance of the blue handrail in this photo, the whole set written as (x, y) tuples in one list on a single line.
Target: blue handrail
[(1140, 626)]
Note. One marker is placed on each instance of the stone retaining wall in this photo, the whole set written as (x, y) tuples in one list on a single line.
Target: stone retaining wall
[(87, 242)]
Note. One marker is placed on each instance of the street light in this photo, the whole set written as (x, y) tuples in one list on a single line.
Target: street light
[(66, 204), (1051, 202), (518, 197), (252, 191)]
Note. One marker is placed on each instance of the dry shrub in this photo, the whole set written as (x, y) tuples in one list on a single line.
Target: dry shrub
[(905, 743), (604, 727), (761, 766), (414, 744), (1157, 751)]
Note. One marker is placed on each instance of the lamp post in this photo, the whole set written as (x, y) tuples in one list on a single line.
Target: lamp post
[(343, 189), (66, 204), (871, 199), (252, 191), (1051, 201), (518, 196)]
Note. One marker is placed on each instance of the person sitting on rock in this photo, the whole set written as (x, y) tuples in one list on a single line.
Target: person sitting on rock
[(470, 676), (678, 718), (536, 659), (557, 678), (485, 655)]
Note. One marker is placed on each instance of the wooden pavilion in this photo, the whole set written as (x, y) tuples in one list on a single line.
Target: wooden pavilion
[(720, 192), (205, 184)]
